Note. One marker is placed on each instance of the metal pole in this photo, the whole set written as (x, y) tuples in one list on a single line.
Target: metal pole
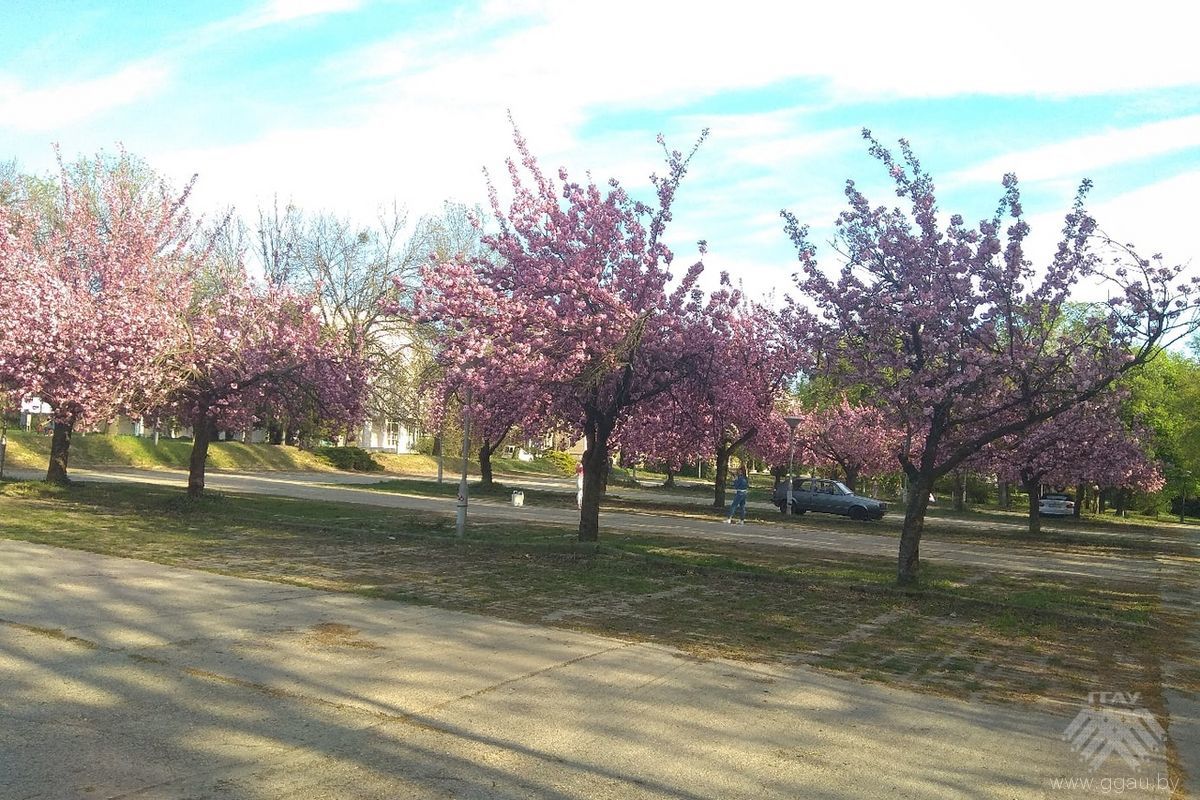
[(792, 422), (460, 526), (3, 447), (787, 509), (441, 449)]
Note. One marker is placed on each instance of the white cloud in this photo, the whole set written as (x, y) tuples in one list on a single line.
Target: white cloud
[(49, 108), (638, 54), (277, 12), (349, 170), (1077, 158), (1158, 218)]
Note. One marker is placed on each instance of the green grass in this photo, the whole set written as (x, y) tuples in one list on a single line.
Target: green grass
[(32, 451), (960, 633)]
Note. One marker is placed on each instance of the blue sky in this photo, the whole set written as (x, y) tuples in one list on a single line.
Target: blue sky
[(345, 105)]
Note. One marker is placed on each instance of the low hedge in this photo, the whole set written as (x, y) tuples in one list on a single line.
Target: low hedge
[(351, 459)]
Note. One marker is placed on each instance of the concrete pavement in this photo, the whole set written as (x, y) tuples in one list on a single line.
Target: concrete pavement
[(126, 679)]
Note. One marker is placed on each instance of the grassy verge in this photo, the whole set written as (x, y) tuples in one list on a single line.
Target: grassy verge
[(32, 451), (963, 633)]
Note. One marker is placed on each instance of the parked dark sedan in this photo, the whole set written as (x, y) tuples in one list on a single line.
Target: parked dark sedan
[(832, 497)]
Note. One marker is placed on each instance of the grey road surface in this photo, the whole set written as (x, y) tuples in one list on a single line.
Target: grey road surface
[(126, 679)]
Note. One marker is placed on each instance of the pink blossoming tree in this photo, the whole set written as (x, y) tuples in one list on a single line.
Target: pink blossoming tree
[(855, 439), (248, 349), (960, 337), (1088, 444), (105, 265), (732, 397), (576, 291)]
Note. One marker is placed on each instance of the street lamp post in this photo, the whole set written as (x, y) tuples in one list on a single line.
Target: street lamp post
[(460, 526), (792, 423)]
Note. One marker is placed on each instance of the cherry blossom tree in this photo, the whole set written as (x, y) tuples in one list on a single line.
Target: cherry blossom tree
[(500, 403), (577, 290), (722, 406), (736, 395), (856, 439), (20, 305), (104, 277), (248, 349), (1087, 444), (661, 431), (960, 337)]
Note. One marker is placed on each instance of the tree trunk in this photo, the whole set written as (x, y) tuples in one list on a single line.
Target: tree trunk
[(851, 478), (202, 432), (1122, 502), (60, 450), (595, 478), (275, 433), (919, 488), (1035, 515), (290, 436), (669, 483), (1080, 494), (722, 475), (1003, 497), (486, 449), (437, 451), (960, 492)]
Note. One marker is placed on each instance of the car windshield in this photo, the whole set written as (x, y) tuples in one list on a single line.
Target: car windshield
[(841, 488)]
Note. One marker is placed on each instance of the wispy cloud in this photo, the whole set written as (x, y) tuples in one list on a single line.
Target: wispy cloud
[(48, 108), (1079, 157), (278, 12), (572, 55)]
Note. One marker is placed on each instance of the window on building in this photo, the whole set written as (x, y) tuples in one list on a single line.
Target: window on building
[(391, 433)]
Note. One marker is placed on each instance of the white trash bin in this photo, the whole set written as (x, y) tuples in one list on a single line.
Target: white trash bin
[(518, 499)]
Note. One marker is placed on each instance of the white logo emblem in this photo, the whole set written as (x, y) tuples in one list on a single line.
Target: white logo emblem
[(1112, 722)]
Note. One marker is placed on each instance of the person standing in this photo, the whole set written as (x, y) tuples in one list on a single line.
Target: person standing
[(741, 485), (579, 485)]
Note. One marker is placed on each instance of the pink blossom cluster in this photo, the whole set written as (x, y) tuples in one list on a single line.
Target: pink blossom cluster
[(1089, 444), (247, 351), (110, 308), (856, 439), (958, 337), (574, 307), (98, 282)]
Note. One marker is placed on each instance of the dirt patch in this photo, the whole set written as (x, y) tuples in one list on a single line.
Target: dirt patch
[(334, 634)]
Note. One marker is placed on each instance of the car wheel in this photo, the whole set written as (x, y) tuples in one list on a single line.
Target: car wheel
[(858, 513)]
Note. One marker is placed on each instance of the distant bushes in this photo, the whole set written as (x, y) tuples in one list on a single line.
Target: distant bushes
[(563, 462), (351, 459)]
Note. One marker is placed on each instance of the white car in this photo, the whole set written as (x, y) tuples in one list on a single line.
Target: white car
[(1056, 505)]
